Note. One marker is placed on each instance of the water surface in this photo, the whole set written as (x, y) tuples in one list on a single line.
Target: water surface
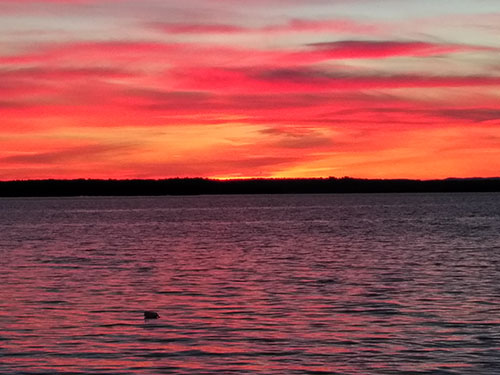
[(310, 284)]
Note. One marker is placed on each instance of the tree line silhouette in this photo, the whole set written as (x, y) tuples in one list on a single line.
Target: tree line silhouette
[(200, 186)]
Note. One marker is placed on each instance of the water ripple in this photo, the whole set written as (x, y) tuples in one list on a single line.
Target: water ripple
[(361, 284)]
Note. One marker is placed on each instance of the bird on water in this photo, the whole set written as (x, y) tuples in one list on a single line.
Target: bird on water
[(151, 315)]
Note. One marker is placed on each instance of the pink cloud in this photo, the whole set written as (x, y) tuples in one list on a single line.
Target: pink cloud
[(336, 25), (182, 28), (91, 51), (354, 49), (143, 54), (56, 1), (293, 26)]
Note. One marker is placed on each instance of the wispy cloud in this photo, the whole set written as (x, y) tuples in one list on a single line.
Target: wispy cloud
[(292, 26), (364, 49), (62, 73), (85, 153), (315, 80)]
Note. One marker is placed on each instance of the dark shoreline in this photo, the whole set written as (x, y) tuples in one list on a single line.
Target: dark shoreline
[(200, 186)]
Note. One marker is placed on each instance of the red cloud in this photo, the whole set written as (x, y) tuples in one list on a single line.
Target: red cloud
[(56, 73), (65, 155), (313, 81)]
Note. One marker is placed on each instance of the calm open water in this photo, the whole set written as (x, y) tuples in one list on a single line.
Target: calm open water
[(311, 284)]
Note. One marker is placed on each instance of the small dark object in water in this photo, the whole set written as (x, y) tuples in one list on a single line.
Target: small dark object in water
[(151, 315)]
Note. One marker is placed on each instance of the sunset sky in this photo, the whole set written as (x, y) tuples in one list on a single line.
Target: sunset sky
[(249, 88)]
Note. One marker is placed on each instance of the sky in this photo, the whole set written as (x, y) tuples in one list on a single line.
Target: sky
[(249, 88)]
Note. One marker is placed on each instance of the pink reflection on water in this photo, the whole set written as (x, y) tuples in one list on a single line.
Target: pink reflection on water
[(260, 296)]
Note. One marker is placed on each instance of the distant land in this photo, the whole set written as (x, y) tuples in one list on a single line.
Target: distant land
[(202, 186)]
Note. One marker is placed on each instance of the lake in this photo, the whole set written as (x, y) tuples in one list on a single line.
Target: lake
[(284, 284)]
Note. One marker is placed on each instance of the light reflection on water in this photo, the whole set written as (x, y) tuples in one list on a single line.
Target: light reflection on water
[(333, 284)]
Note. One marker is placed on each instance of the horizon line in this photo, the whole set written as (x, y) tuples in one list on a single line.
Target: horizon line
[(223, 179)]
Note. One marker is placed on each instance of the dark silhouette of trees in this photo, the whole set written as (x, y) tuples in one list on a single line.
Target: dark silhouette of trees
[(197, 186)]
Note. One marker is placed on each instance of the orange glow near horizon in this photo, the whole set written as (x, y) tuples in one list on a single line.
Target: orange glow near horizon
[(299, 92)]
